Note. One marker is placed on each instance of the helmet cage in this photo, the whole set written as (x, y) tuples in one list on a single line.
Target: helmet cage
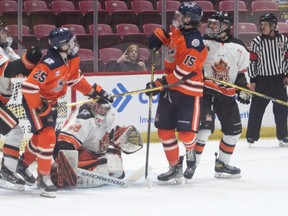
[(99, 109), (224, 21)]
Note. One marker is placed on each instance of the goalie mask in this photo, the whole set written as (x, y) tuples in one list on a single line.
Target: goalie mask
[(99, 109), (219, 25), (128, 139), (5, 39)]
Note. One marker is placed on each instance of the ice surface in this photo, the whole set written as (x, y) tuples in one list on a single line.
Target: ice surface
[(261, 191)]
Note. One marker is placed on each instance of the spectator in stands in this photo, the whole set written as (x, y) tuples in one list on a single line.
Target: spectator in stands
[(129, 61)]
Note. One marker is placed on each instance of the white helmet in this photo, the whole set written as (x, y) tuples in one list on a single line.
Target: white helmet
[(5, 39), (99, 109)]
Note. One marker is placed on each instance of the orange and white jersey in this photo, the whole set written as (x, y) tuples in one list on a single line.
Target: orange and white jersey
[(6, 56), (185, 54), (84, 129), (225, 60), (51, 77)]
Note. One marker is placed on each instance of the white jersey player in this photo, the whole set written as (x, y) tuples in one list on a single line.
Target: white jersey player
[(89, 131), (12, 65), (227, 61)]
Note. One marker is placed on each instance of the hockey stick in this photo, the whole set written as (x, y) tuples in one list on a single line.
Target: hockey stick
[(186, 77), (149, 120), (248, 90)]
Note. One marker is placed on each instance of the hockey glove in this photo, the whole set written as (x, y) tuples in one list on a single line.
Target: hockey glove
[(243, 97), (32, 57), (157, 83), (158, 38), (99, 92), (45, 110)]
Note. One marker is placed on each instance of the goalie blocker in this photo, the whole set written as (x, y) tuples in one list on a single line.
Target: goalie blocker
[(82, 168)]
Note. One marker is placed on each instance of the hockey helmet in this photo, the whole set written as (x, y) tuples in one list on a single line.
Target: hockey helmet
[(98, 108), (5, 39), (63, 40), (270, 18), (187, 9), (219, 23)]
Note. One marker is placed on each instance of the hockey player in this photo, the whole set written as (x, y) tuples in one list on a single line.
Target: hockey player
[(89, 131), (179, 106), (11, 65), (58, 69), (228, 60)]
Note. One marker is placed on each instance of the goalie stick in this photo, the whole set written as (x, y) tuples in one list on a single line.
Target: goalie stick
[(284, 103), (111, 180), (186, 77)]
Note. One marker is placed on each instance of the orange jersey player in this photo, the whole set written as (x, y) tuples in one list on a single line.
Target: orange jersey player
[(58, 69), (179, 106), (11, 65)]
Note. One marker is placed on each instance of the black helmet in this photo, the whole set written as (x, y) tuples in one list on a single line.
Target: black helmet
[(61, 36), (192, 10), (269, 17), (223, 17)]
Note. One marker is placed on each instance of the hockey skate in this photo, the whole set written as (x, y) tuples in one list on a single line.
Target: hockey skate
[(191, 165), (250, 141), (24, 172), (283, 142), (223, 170), (46, 186), (10, 180), (174, 174)]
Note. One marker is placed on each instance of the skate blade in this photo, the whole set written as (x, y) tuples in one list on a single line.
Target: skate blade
[(47, 194), (227, 176), (174, 181), (8, 185)]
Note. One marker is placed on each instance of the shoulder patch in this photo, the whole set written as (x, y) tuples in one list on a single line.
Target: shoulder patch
[(194, 40)]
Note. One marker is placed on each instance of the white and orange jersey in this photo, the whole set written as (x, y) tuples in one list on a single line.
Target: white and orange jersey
[(84, 129), (51, 77), (6, 56), (225, 60), (185, 54)]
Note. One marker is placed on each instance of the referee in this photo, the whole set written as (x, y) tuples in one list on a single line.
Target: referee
[(268, 72)]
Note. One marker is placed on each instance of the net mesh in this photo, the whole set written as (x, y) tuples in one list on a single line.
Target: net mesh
[(15, 105)]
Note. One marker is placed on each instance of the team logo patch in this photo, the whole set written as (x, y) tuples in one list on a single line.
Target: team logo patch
[(195, 43), (280, 45), (208, 118)]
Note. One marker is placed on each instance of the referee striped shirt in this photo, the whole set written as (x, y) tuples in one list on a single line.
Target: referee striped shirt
[(268, 56)]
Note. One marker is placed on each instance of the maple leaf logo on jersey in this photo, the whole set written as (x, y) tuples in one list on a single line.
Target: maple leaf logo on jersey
[(221, 70)]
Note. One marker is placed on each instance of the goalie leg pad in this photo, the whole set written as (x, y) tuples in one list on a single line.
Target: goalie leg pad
[(115, 163), (64, 173)]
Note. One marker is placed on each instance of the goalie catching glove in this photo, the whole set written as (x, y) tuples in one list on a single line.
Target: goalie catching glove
[(157, 83), (128, 139), (99, 92)]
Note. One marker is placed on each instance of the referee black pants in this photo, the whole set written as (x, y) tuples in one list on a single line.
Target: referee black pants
[(271, 86)]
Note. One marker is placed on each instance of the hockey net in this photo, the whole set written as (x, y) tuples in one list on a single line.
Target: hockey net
[(15, 105)]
